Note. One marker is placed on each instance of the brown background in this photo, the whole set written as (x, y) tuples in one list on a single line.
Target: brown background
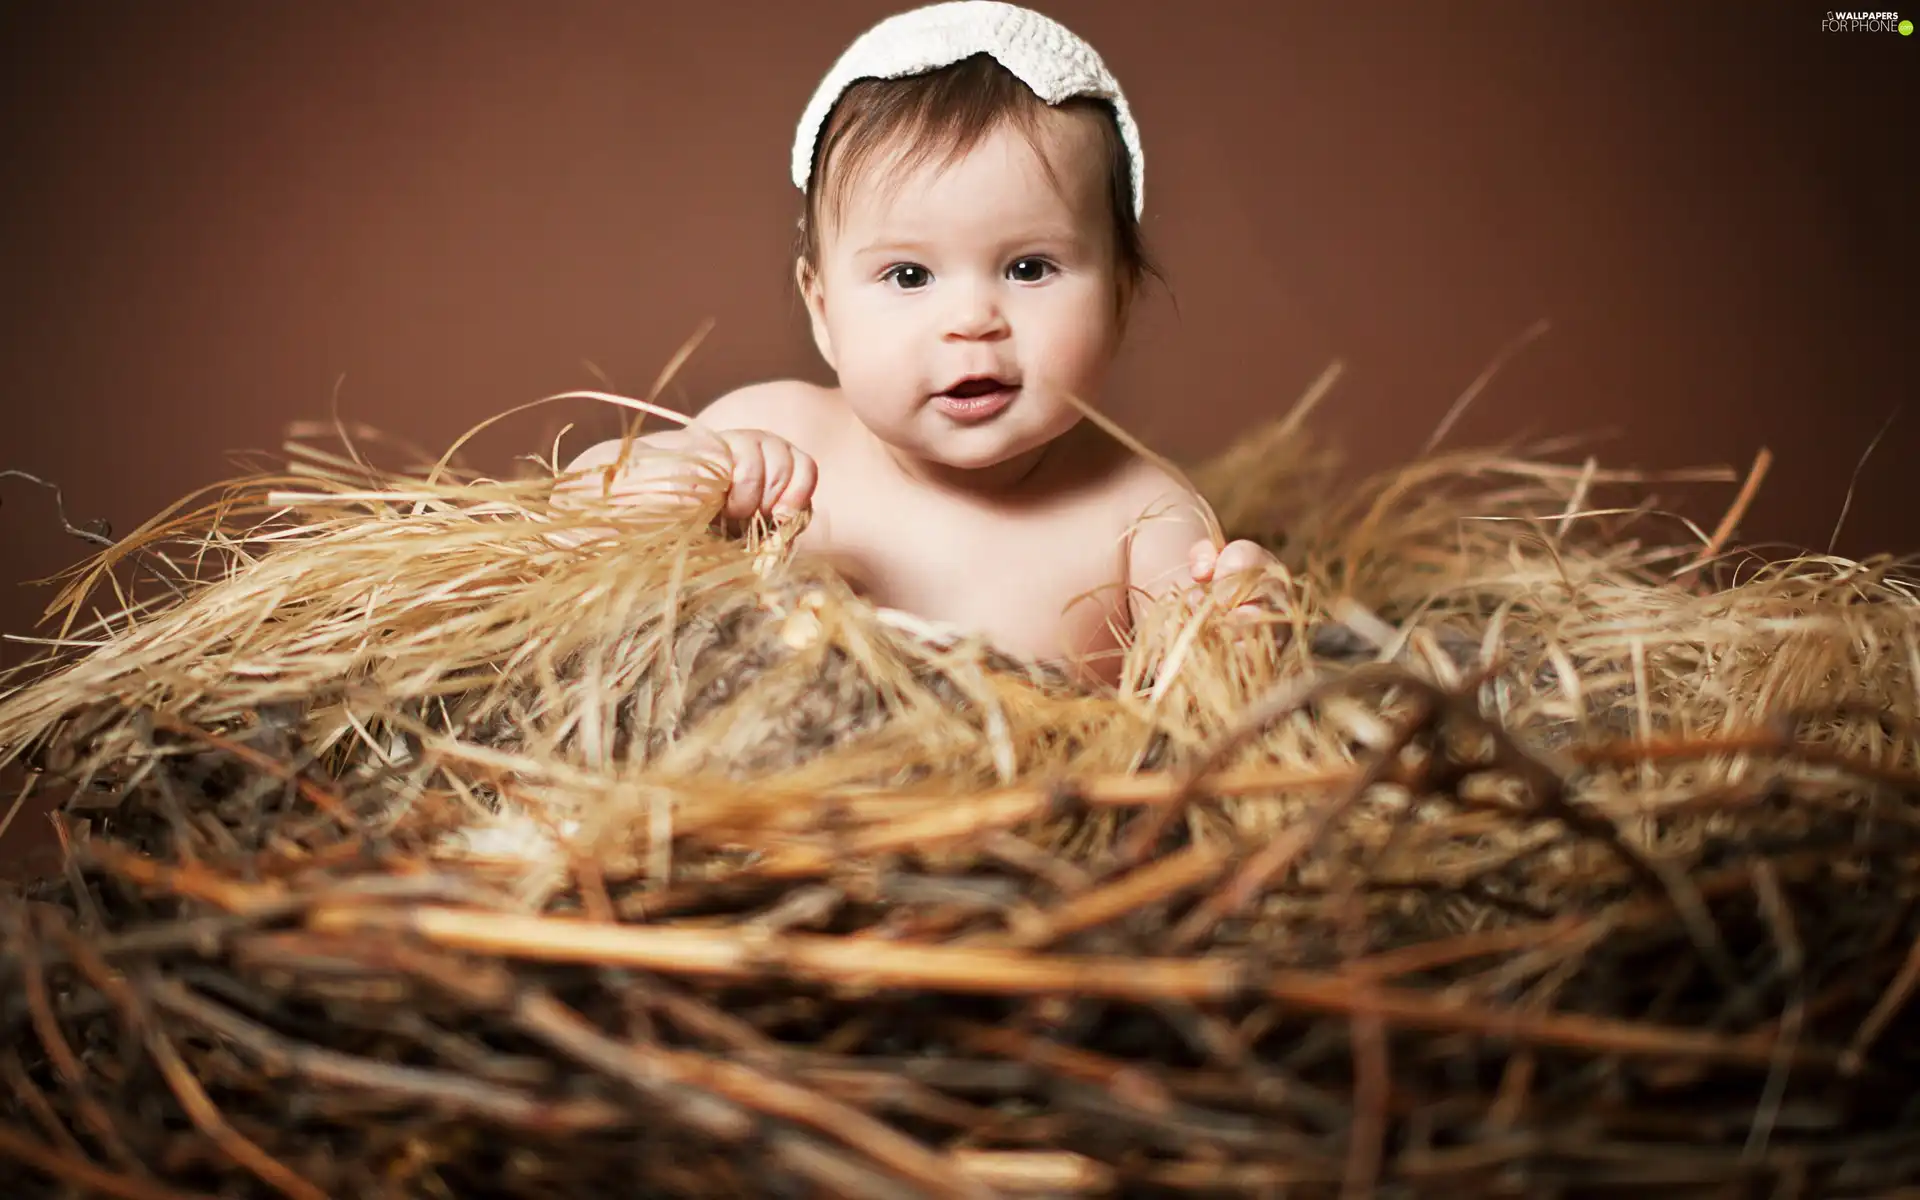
[(216, 209)]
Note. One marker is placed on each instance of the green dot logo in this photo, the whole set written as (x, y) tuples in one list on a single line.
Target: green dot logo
[(1906, 28)]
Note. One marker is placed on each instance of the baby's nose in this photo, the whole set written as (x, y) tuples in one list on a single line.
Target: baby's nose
[(975, 313)]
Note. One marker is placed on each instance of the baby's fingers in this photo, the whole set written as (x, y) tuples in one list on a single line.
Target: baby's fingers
[(795, 495), (747, 488), (1240, 558), (1239, 574), (1201, 559)]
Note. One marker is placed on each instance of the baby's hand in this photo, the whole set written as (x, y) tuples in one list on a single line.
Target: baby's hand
[(1236, 565), (770, 476), (763, 473)]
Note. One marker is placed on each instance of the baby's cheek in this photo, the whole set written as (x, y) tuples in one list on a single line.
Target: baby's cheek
[(877, 359), (1079, 352)]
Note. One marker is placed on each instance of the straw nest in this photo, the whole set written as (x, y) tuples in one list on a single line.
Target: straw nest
[(414, 851)]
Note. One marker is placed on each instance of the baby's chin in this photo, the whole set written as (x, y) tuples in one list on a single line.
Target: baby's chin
[(961, 456), (929, 436), (976, 449)]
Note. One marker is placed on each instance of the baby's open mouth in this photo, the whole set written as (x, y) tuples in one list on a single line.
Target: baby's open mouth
[(972, 389), (978, 398)]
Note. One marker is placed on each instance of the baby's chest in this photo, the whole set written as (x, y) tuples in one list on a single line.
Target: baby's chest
[(1038, 583)]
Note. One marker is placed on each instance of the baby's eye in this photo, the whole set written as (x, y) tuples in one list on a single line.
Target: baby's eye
[(908, 276), (1029, 270)]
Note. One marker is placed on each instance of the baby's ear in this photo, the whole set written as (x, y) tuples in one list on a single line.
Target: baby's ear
[(808, 281)]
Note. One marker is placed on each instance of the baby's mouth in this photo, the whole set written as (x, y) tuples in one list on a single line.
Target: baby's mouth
[(971, 389), (978, 398)]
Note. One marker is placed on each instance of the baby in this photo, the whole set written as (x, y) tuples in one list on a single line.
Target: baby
[(969, 253)]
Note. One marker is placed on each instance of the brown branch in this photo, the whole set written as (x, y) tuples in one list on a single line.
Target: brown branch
[(81, 1174), (278, 1056), (1046, 1172), (1127, 1083), (963, 818), (1287, 697), (200, 1108), (37, 1105), (1372, 1080), (1154, 883), (266, 764), (749, 1089), (66, 1064), (191, 880), (1274, 859), (817, 959), (1891, 1001), (1553, 798)]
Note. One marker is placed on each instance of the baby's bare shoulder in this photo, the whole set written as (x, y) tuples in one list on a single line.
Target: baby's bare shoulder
[(800, 412), (793, 409), (1136, 488)]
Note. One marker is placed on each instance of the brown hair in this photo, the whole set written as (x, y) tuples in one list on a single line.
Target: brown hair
[(948, 111)]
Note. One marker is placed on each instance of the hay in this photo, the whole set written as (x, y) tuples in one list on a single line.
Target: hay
[(420, 847)]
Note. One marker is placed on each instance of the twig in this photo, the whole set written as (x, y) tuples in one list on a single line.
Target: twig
[(101, 537), (1373, 1084), (1731, 520), (1779, 919), (753, 1090), (1891, 1001), (1444, 951), (1550, 791), (1273, 859), (278, 1056), (102, 533), (1500, 359), (1047, 1172), (1127, 1083), (316, 795), (866, 1082), (1154, 883), (1733, 742), (723, 954), (199, 1107), (82, 1174), (36, 1104), (66, 1065), (247, 905), (1853, 480), (1285, 698), (1008, 808), (1063, 876)]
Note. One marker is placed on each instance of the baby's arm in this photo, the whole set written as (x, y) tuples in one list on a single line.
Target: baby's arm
[(1160, 549), (729, 440), (1172, 546)]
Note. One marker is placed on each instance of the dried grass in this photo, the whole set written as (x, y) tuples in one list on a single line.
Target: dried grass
[(419, 847)]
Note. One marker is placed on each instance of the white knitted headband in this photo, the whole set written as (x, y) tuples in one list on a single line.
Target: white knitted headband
[(1040, 52)]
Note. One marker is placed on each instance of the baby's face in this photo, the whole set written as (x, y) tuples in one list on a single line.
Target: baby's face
[(986, 274)]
